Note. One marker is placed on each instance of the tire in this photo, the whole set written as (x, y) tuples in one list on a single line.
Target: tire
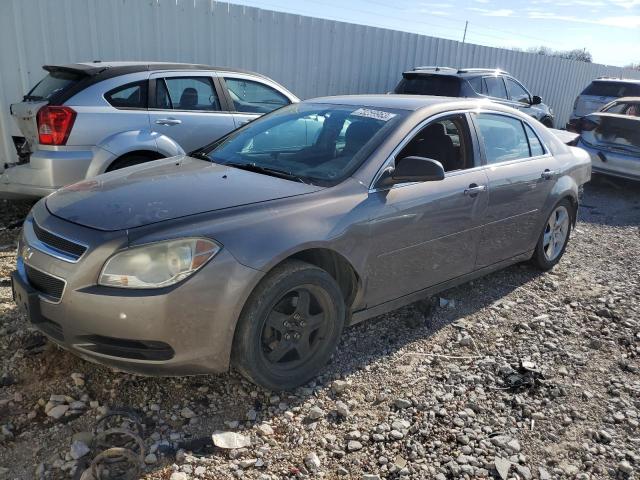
[(550, 248), (285, 336), (129, 161)]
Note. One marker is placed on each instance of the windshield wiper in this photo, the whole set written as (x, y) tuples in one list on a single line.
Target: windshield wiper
[(200, 156), (32, 97), (252, 167)]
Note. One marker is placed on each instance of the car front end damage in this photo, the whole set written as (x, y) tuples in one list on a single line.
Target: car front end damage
[(150, 331)]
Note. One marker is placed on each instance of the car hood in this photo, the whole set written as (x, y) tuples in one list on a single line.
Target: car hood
[(163, 190)]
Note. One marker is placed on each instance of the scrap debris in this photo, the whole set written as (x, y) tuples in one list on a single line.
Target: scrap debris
[(525, 375), (118, 448)]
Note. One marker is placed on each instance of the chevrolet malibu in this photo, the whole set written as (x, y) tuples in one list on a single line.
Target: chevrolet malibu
[(257, 250)]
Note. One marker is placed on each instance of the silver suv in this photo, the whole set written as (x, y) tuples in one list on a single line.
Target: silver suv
[(599, 93), (89, 118)]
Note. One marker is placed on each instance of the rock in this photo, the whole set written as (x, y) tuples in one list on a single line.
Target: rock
[(186, 412), (78, 379), (339, 386), (78, 449), (370, 476), (265, 429), (178, 476), (315, 413), (625, 467), (402, 403), (312, 462), (342, 409), (230, 440), (354, 446), (58, 411), (502, 467), (543, 474), (151, 459), (524, 472), (248, 462)]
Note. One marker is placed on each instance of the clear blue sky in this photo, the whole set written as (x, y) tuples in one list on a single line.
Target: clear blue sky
[(609, 29)]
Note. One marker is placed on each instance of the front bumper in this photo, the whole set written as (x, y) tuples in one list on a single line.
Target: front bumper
[(613, 163), (184, 329), (46, 171)]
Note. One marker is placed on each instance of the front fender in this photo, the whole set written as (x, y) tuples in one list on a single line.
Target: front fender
[(121, 143)]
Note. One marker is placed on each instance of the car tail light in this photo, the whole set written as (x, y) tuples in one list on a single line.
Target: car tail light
[(54, 124)]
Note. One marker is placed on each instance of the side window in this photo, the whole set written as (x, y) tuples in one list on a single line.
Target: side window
[(534, 142), (131, 95), (254, 97), (494, 87), (187, 93), (516, 92), (446, 140), (476, 84), (503, 136)]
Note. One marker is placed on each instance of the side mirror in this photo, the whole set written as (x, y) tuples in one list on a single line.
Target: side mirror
[(536, 100), (412, 169)]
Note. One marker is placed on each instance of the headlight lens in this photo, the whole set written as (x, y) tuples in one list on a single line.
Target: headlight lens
[(157, 264)]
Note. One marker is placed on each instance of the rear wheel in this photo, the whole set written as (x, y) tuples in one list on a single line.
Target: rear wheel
[(554, 237), (289, 327)]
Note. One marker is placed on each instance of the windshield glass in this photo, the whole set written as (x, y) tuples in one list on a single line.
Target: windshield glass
[(53, 83), (315, 143)]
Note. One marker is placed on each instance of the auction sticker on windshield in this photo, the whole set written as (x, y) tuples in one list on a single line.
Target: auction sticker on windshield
[(377, 114)]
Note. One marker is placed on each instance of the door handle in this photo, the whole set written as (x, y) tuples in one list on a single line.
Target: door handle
[(168, 121), (474, 190), (548, 174)]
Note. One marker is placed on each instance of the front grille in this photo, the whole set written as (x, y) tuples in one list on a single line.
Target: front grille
[(58, 243), (43, 282), (125, 348)]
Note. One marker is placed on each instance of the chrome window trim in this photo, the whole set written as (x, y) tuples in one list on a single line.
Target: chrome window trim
[(33, 241), (20, 264), (423, 123)]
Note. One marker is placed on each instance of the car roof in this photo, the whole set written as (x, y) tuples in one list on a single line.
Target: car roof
[(626, 100), (457, 72), (400, 102), (615, 80), (120, 68)]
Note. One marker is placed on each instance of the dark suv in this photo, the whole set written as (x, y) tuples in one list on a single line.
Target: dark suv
[(496, 85)]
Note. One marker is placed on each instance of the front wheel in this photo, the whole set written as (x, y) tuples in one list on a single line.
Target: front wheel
[(289, 327), (554, 237)]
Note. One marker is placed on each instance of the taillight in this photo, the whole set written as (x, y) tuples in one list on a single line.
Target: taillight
[(54, 124)]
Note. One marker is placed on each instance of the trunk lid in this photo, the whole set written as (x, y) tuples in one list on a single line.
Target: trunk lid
[(619, 133), (163, 190), (58, 81)]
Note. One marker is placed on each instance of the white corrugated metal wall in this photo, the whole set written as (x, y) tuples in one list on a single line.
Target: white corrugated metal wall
[(310, 56)]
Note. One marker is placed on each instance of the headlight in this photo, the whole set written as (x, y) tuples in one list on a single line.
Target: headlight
[(157, 264)]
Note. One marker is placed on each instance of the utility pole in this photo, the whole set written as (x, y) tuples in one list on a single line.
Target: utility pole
[(466, 24)]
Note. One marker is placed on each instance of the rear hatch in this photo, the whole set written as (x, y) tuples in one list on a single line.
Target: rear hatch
[(418, 83), (601, 92), (52, 89), (613, 132)]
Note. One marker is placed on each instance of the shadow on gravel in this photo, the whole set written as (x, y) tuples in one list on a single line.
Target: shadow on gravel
[(611, 201)]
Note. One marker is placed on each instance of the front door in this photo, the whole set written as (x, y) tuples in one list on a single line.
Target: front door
[(187, 108), (521, 175), (422, 234)]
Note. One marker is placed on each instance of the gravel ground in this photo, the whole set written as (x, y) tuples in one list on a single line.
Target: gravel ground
[(406, 396)]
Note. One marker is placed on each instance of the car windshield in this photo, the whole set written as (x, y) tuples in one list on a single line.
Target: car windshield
[(309, 142)]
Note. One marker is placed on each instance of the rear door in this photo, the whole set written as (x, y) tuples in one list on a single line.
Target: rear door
[(519, 97), (187, 107), (249, 97), (495, 89), (521, 173)]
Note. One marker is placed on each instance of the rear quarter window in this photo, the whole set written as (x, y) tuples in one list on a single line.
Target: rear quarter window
[(131, 95), (438, 85), (53, 84), (612, 89)]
